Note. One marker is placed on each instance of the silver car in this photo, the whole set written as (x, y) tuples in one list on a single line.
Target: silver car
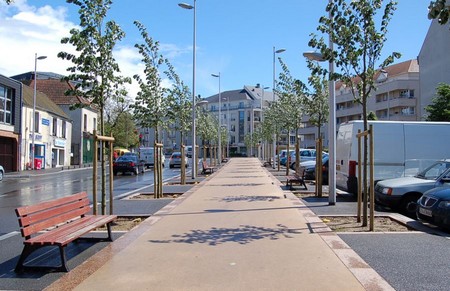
[(175, 160), (402, 193)]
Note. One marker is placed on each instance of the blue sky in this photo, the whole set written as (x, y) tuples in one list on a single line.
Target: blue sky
[(234, 37)]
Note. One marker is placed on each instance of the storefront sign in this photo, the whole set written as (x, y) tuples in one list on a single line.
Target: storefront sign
[(60, 142), (45, 122)]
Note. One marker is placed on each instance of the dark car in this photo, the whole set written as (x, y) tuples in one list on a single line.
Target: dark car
[(434, 207), (128, 163), (310, 170)]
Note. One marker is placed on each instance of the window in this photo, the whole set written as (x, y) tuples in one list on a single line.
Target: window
[(6, 99), (85, 123), (55, 126), (63, 129), (36, 122)]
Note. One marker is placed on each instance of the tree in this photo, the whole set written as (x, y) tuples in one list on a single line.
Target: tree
[(95, 72), (317, 107), (291, 94), (439, 109), (358, 43), (120, 123), (439, 9), (150, 107), (181, 110)]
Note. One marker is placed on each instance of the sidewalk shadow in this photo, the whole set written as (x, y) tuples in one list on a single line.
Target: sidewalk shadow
[(243, 234)]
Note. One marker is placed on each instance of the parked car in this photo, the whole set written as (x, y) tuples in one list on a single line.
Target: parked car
[(434, 207), (284, 156), (400, 193), (175, 160), (2, 172), (128, 163), (188, 151), (309, 168), (305, 155)]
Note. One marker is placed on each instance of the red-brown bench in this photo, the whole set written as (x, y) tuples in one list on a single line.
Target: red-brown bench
[(295, 179), (207, 168), (57, 223)]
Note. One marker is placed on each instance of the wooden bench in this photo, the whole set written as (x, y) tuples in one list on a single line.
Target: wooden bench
[(207, 168), (295, 179), (57, 223)]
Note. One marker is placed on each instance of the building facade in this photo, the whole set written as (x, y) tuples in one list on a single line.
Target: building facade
[(84, 117), (434, 63), (10, 129), (396, 97), (52, 133)]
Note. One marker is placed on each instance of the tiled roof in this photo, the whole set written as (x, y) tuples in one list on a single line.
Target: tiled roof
[(42, 102), (410, 66), (55, 90)]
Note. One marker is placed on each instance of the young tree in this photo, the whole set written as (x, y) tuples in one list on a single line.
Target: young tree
[(150, 107), (292, 97), (358, 42), (95, 72), (181, 110), (439, 109), (439, 9)]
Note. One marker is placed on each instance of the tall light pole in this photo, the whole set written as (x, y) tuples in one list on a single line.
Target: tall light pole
[(228, 127), (194, 164), (273, 89), (219, 152), (331, 122), (36, 58)]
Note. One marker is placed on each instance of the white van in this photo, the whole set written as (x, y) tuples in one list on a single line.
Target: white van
[(148, 155), (401, 149), (188, 151)]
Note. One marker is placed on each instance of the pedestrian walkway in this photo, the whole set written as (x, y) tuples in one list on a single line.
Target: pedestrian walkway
[(236, 230)]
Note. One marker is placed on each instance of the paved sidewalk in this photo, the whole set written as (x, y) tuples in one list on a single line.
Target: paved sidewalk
[(237, 230)]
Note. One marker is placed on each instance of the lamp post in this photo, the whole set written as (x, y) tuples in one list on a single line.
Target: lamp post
[(228, 127), (36, 58), (273, 89), (316, 56), (194, 164), (219, 152)]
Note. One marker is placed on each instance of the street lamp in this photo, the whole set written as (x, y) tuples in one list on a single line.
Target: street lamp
[(316, 56), (36, 58), (219, 153), (194, 164), (273, 89)]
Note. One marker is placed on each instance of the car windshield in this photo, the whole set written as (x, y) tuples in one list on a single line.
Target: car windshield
[(434, 171)]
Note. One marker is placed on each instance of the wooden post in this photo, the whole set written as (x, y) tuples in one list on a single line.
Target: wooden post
[(372, 194), (359, 197), (94, 176)]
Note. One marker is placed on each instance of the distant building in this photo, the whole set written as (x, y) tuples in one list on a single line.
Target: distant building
[(84, 120), (10, 130), (52, 132), (434, 61)]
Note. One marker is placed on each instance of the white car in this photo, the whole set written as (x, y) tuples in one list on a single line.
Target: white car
[(2, 173)]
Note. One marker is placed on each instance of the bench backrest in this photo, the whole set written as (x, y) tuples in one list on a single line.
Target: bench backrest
[(204, 164), (38, 217)]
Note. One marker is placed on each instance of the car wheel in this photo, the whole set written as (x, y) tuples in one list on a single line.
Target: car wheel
[(1, 175), (407, 205), (115, 173)]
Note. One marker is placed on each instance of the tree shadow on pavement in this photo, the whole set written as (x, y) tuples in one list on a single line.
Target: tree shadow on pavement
[(243, 234)]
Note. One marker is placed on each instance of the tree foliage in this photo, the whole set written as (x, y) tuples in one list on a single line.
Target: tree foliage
[(439, 9), (150, 107), (95, 72), (439, 109)]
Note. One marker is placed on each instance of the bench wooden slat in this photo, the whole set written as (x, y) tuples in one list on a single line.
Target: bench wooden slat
[(66, 233), (36, 217), (26, 210), (206, 168)]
